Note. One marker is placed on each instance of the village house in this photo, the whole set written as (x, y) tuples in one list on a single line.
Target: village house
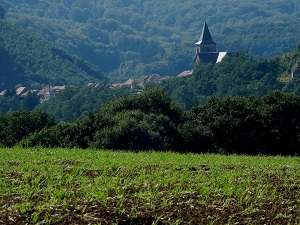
[(49, 92), (185, 73), (295, 71), (94, 85), (2, 93), (129, 83), (141, 81), (20, 91)]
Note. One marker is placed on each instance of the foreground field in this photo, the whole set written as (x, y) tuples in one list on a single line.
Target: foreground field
[(60, 186)]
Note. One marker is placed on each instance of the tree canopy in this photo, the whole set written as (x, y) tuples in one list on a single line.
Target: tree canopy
[(2, 12)]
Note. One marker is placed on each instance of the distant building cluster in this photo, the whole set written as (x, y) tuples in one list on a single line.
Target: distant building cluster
[(20, 91), (140, 82), (49, 92), (46, 93)]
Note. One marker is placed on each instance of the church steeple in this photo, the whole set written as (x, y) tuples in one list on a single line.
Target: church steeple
[(206, 48), (205, 43)]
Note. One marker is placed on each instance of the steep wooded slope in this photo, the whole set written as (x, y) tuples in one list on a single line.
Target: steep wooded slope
[(135, 37), (30, 60)]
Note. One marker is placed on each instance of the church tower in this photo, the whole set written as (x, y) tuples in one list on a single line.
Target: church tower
[(206, 48), (205, 43)]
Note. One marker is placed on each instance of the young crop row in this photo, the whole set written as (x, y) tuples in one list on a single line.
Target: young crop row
[(59, 186)]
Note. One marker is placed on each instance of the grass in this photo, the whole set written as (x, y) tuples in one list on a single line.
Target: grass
[(63, 186)]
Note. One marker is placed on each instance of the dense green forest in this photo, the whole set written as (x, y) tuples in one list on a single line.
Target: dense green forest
[(2, 12), (29, 60), (238, 75), (152, 121), (131, 38)]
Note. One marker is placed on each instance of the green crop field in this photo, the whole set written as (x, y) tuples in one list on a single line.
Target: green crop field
[(71, 186)]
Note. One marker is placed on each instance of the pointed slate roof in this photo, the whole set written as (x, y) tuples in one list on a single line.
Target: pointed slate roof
[(205, 36)]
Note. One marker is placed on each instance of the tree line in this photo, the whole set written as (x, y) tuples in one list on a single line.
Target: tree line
[(269, 124)]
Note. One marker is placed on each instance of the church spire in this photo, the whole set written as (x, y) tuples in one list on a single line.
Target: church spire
[(205, 43), (205, 35)]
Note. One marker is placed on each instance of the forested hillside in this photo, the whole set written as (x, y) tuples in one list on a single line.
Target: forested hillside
[(135, 37), (29, 60), (237, 75)]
